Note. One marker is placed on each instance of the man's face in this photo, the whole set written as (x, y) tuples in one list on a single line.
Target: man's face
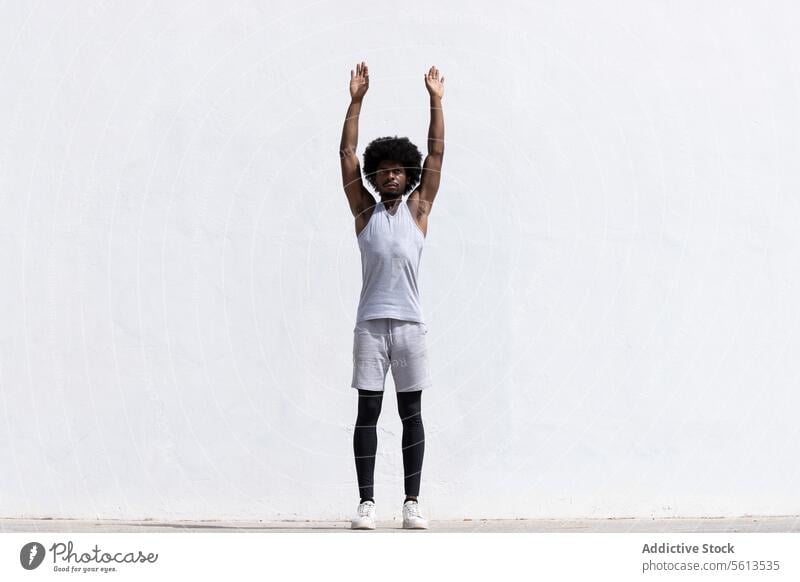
[(391, 178)]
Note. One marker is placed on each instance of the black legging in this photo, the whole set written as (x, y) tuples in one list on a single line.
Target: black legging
[(365, 439)]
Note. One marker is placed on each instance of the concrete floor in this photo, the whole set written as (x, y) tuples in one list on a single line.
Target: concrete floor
[(617, 525)]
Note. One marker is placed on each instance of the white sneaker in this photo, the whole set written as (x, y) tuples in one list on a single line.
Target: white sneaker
[(411, 516), (366, 516)]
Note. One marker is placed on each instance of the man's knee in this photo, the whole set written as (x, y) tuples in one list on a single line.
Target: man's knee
[(369, 407)]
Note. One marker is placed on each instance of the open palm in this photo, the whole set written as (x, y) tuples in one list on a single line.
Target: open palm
[(433, 83), (359, 81)]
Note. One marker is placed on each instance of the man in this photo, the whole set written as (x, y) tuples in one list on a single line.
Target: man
[(390, 328)]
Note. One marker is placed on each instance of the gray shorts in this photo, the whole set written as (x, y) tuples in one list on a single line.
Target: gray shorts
[(382, 343)]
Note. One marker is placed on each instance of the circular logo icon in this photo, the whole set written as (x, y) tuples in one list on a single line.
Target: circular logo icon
[(31, 555)]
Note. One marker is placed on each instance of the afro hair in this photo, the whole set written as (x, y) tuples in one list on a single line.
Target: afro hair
[(398, 149)]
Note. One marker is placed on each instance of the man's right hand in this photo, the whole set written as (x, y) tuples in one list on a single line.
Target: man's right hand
[(359, 81)]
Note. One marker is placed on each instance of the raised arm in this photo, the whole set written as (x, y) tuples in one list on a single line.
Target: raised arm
[(357, 195), (432, 168)]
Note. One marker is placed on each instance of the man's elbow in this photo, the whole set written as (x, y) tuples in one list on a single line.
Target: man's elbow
[(346, 151), (435, 147)]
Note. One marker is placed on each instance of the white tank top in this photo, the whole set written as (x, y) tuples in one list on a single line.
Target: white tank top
[(391, 248)]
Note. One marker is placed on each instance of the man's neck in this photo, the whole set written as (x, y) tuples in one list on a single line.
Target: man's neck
[(391, 201)]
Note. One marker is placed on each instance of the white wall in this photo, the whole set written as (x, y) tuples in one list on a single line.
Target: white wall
[(610, 278)]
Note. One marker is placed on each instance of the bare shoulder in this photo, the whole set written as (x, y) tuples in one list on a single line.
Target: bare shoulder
[(420, 209)]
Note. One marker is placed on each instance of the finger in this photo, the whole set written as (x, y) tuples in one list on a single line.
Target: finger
[(352, 74)]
